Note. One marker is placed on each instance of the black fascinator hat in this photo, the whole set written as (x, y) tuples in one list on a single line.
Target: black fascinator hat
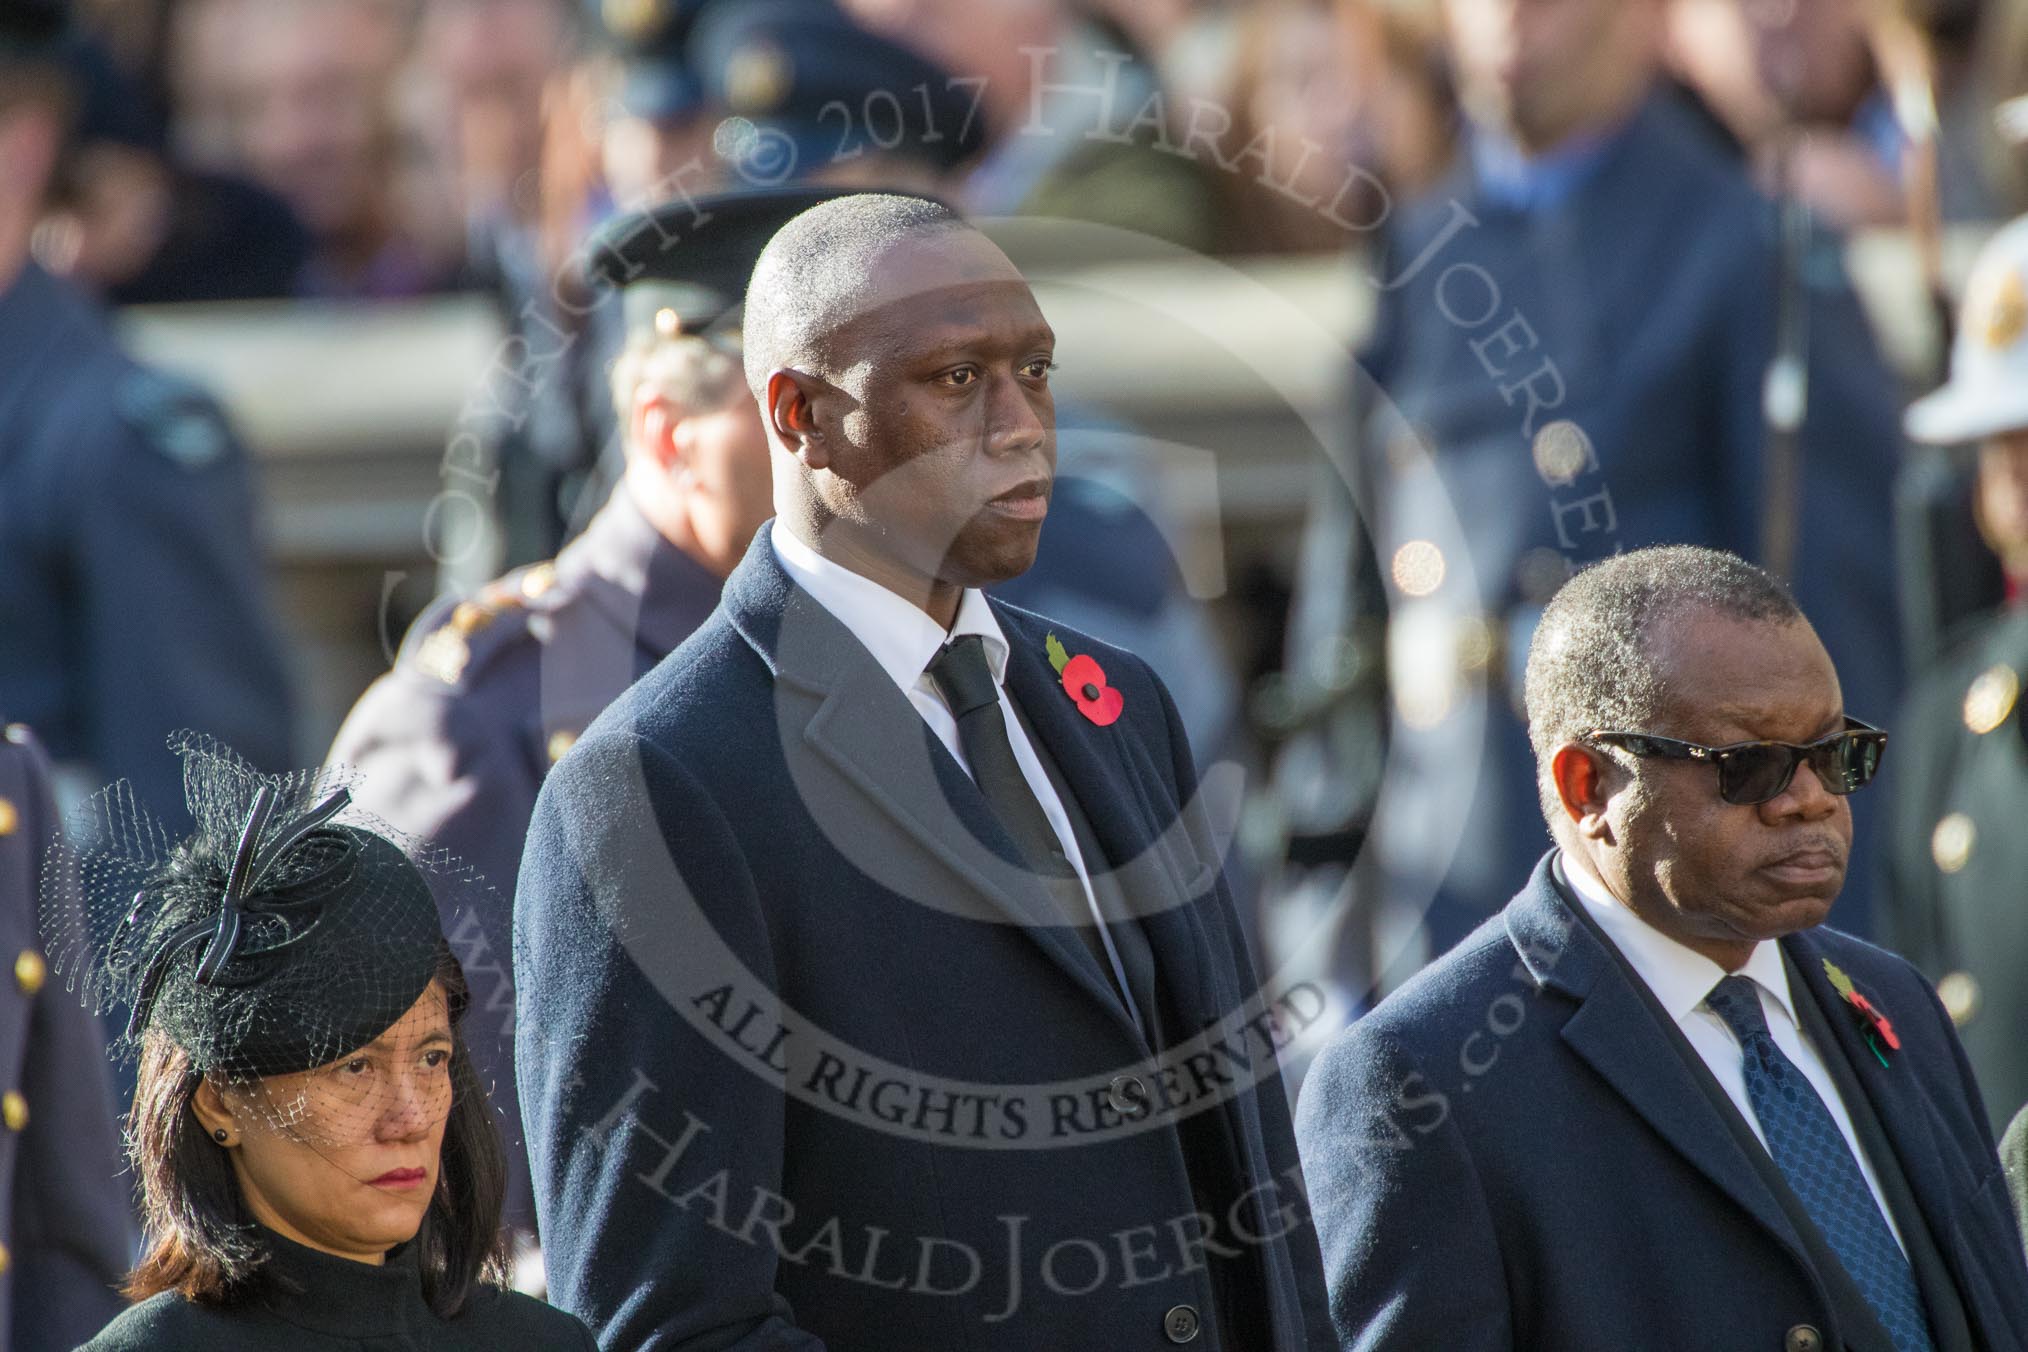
[(286, 931)]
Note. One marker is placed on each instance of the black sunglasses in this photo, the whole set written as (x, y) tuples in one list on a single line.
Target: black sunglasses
[(1753, 772)]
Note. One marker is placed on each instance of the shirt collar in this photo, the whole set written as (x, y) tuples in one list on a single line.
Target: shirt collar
[(1679, 976), (902, 638), (1512, 178)]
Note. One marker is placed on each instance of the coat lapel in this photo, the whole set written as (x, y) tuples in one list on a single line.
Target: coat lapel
[(1106, 768), (836, 701), (1615, 1031)]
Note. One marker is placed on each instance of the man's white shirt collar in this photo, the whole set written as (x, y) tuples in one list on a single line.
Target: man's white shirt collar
[(901, 636), (1679, 976)]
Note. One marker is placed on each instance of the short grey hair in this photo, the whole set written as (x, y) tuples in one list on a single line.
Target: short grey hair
[(1591, 662), (809, 279)]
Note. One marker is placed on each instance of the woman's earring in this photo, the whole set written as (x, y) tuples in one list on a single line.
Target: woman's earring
[(219, 1135)]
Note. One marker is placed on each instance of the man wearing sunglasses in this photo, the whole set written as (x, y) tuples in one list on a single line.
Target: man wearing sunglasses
[(1656, 1102)]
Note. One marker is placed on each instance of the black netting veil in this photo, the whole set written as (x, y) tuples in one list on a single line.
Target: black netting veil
[(287, 942)]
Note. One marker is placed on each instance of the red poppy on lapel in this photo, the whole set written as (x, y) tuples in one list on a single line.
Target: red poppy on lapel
[(1873, 1025), (1084, 680)]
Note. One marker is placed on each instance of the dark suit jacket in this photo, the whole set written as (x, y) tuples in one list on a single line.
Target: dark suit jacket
[(1509, 1152), (804, 1062)]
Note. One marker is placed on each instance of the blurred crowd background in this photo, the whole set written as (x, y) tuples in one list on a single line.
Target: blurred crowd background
[(359, 225)]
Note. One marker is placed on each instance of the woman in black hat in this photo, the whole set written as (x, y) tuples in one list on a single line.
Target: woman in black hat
[(317, 1164)]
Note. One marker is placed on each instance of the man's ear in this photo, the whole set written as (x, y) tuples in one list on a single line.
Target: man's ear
[(209, 1106), (1580, 774), (792, 419), (653, 419)]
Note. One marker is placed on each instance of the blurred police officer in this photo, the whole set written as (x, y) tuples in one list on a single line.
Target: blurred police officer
[(1961, 791), (66, 1236), (755, 95), (129, 577), (708, 96), (489, 691), (561, 445)]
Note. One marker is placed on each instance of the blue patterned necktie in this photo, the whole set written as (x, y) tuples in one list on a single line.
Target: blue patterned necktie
[(1814, 1157)]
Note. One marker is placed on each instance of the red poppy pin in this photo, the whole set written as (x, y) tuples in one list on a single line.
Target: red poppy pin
[(1873, 1025), (1084, 680)]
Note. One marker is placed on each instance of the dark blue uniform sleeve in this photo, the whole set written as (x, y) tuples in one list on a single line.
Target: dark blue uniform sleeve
[(70, 1230), (171, 626), (626, 1106), (432, 765)]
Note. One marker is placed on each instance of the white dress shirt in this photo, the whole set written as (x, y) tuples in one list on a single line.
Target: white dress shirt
[(904, 640), (1681, 977)]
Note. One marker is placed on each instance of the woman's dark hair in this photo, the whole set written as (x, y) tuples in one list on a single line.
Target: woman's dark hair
[(203, 1242)]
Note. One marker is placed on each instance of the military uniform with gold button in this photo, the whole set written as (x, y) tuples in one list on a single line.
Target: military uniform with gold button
[(1960, 850), (65, 1228)]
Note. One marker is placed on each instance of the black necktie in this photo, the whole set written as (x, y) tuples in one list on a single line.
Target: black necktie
[(964, 678)]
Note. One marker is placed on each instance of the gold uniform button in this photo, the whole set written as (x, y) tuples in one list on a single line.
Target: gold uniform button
[(1952, 842), (13, 1110), (444, 655), (30, 971), (469, 617), (1991, 698), (538, 580), (560, 741), (9, 818), (6, 1260), (1959, 992)]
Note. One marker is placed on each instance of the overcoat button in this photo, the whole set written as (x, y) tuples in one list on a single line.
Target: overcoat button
[(1181, 1323), (1803, 1338), (30, 971), (1128, 1096)]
